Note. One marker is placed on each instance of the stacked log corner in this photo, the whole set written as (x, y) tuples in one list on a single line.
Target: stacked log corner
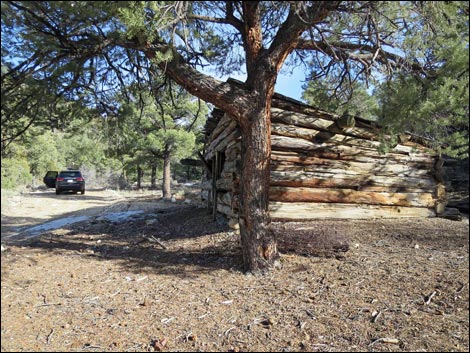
[(326, 166)]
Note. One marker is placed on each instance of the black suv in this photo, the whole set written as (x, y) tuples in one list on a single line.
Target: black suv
[(66, 180)]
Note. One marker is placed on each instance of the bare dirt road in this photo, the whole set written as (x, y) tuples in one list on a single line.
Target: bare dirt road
[(139, 274), (22, 212)]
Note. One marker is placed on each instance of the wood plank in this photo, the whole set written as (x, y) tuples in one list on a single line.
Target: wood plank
[(302, 194), (306, 211)]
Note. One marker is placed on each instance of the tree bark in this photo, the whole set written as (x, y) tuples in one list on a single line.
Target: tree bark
[(153, 177), (166, 187), (140, 174), (258, 241)]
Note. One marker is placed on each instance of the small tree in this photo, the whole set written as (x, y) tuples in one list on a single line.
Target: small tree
[(162, 128)]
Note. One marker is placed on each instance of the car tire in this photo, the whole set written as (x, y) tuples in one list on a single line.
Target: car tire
[(57, 191), (83, 192)]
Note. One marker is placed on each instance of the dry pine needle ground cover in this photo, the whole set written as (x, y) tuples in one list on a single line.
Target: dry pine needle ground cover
[(104, 286)]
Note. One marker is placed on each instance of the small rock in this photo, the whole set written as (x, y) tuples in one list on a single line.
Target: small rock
[(417, 246), (146, 302), (233, 223), (269, 322), (3, 248), (159, 344)]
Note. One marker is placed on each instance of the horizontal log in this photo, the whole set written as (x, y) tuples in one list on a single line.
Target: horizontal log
[(302, 194), (227, 131), (284, 143), (230, 166), (337, 138), (350, 184), (233, 149), (278, 149), (343, 169), (224, 184), (318, 121), (224, 121), (306, 211), (307, 116), (227, 210), (364, 180), (377, 162), (206, 185), (221, 144)]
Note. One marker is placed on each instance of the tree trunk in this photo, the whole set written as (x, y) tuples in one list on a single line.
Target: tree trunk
[(153, 177), (166, 187), (140, 174), (257, 240)]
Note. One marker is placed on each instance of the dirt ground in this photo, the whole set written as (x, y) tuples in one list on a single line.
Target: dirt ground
[(170, 279)]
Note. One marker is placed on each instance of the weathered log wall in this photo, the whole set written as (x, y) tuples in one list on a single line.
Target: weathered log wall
[(325, 166)]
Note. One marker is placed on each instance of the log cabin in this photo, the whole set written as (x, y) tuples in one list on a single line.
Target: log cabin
[(325, 166)]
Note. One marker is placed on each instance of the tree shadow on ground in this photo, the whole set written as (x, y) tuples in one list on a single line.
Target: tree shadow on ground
[(51, 195), (188, 243)]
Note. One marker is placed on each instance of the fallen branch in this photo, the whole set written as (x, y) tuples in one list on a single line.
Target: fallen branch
[(152, 239), (428, 301), (375, 316), (460, 289), (47, 304), (385, 340), (49, 336)]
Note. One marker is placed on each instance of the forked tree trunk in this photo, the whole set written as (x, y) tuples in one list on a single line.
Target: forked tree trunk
[(166, 187), (257, 240)]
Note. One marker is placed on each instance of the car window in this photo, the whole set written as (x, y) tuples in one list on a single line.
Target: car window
[(70, 174), (51, 174)]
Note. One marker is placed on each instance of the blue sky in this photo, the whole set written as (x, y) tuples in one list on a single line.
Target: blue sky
[(288, 84)]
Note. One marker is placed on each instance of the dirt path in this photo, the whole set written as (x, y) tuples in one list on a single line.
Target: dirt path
[(24, 212), (170, 279)]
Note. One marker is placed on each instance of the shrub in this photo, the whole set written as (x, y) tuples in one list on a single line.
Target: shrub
[(15, 173)]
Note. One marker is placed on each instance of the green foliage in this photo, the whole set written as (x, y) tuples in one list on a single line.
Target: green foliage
[(354, 99), (43, 154), (84, 52), (435, 106), (179, 142), (15, 173)]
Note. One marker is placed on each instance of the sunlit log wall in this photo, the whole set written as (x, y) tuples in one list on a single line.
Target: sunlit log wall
[(326, 166)]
